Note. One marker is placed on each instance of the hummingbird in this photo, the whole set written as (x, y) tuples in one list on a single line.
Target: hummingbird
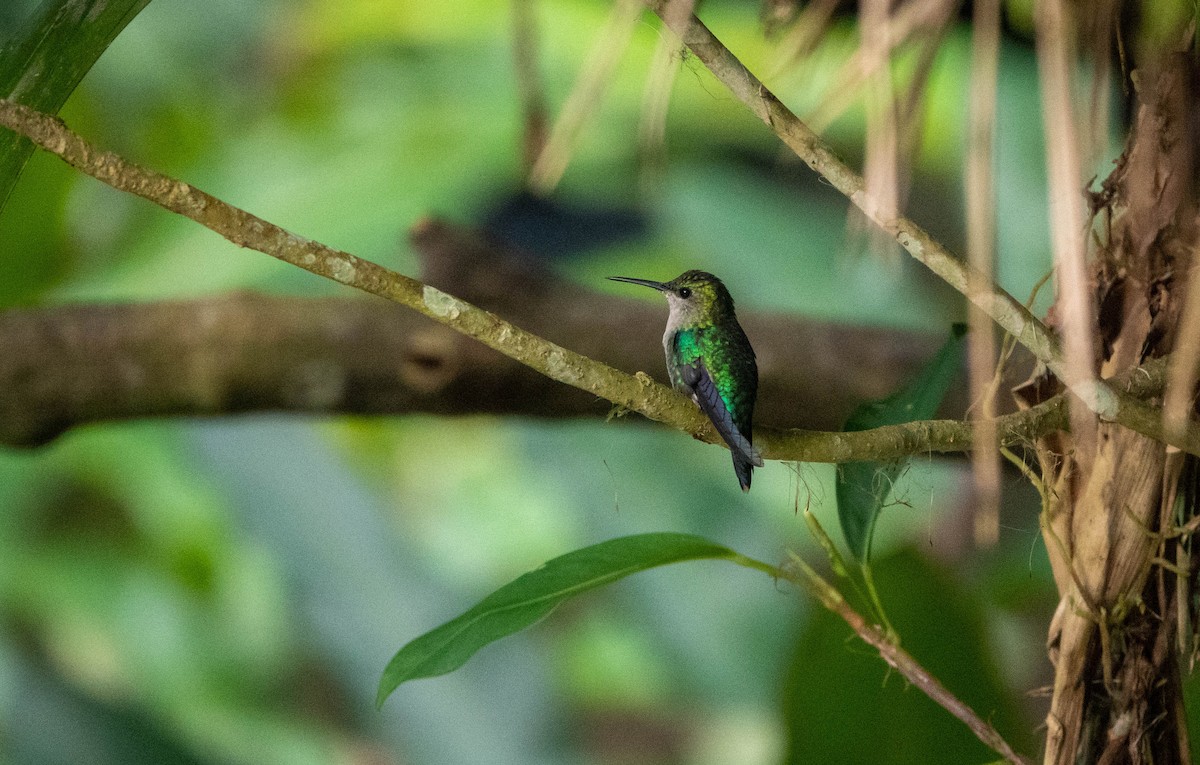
[(709, 358)]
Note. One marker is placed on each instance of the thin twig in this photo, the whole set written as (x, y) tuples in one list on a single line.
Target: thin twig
[(981, 251), (896, 441), (802, 574), (1074, 304), (586, 96)]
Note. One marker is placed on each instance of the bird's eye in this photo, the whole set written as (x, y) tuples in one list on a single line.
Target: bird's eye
[(685, 292)]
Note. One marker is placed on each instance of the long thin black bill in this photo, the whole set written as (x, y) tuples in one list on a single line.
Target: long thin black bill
[(644, 282)]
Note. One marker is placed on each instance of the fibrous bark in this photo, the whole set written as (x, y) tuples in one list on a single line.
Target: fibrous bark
[(1112, 520)]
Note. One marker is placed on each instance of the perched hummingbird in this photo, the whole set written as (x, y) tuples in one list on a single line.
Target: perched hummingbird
[(710, 359)]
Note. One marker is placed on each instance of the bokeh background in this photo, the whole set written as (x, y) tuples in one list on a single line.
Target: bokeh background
[(229, 591)]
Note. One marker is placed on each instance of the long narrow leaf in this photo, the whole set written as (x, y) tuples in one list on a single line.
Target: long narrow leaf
[(532, 596), (47, 56), (863, 487)]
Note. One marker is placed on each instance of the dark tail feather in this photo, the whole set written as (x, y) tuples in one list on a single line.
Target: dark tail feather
[(743, 467)]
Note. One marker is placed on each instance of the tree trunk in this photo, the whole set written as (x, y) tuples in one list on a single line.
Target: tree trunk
[(1113, 509)]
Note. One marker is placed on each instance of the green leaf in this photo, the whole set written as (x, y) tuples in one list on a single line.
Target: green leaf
[(863, 487), (532, 596), (47, 56)]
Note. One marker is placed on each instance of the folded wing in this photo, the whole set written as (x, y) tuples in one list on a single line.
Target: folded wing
[(705, 393)]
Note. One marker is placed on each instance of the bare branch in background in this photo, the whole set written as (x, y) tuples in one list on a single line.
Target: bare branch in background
[(803, 34), (907, 22), (981, 254), (1098, 28), (910, 106), (530, 90), (586, 96), (881, 168), (776, 14), (660, 81), (1073, 305), (893, 103)]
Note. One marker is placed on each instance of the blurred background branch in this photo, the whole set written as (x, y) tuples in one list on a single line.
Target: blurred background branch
[(71, 365)]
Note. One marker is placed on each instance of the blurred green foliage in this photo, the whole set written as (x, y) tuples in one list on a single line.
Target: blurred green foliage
[(230, 592)]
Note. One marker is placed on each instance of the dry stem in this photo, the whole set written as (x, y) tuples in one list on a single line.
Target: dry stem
[(981, 252), (802, 574)]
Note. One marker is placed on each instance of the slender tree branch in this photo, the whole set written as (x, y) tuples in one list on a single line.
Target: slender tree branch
[(981, 254), (640, 394), (636, 393), (1002, 307), (894, 442), (803, 575), (633, 392)]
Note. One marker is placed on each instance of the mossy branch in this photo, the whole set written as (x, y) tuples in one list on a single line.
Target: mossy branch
[(894, 442), (631, 392), (246, 230)]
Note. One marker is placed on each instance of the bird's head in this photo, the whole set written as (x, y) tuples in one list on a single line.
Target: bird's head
[(696, 298)]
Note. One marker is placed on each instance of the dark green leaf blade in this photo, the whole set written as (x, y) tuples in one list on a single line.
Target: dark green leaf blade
[(863, 487), (532, 596), (47, 56)]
